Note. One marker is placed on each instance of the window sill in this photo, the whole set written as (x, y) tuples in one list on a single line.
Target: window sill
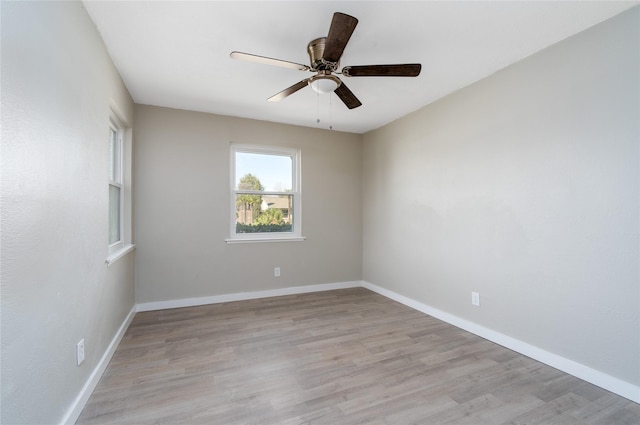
[(119, 254), (259, 240)]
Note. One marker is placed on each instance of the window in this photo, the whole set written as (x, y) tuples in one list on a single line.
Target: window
[(119, 194), (115, 185), (265, 194)]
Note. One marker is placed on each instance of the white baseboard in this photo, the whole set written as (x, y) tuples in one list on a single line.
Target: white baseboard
[(78, 404), (595, 377), (241, 296)]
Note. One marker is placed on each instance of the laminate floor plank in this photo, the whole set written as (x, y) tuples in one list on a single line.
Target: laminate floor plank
[(343, 357)]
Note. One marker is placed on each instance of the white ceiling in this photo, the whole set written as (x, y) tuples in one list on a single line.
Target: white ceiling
[(176, 53)]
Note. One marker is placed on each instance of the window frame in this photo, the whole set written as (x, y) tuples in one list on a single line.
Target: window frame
[(120, 175), (296, 193), (116, 180)]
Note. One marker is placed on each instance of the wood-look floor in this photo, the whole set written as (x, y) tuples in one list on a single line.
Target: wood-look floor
[(340, 357)]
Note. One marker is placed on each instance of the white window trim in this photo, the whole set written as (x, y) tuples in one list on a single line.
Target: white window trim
[(296, 235), (115, 126), (123, 180), (124, 250)]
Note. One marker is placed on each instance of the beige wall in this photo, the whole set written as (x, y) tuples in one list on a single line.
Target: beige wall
[(57, 85), (182, 207), (525, 188)]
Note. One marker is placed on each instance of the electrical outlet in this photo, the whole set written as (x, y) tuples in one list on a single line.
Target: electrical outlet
[(80, 352), (475, 298), (276, 272)]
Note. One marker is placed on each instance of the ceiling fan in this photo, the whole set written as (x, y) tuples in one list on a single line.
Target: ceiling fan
[(324, 54)]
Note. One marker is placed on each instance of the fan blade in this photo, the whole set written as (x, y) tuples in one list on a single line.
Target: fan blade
[(347, 96), (405, 70), (289, 91), (342, 26), (268, 61)]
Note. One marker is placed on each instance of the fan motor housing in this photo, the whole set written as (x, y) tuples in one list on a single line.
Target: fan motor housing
[(315, 48)]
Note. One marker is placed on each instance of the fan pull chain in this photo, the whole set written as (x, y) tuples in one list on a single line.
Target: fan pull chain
[(318, 107), (330, 111)]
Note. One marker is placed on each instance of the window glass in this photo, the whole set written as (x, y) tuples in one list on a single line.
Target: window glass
[(113, 154), (115, 185), (272, 171), (114, 214), (264, 213), (265, 192)]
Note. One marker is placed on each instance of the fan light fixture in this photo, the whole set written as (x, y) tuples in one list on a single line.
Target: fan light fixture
[(323, 83)]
